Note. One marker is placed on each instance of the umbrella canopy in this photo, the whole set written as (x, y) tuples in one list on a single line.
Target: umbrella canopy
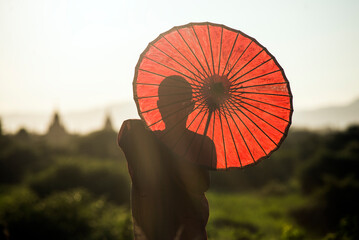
[(214, 95)]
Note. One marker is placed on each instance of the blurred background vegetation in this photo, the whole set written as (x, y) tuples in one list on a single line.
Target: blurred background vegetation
[(65, 186)]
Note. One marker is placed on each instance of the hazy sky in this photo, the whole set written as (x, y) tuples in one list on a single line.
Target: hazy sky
[(75, 55)]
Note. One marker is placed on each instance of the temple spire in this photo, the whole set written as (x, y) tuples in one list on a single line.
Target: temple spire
[(57, 134), (108, 123)]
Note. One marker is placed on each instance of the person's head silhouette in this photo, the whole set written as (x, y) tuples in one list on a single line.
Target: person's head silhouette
[(175, 104), (175, 101)]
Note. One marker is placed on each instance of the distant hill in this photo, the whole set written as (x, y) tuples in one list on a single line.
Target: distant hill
[(329, 117), (94, 119)]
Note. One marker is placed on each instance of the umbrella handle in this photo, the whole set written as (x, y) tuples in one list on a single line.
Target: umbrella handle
[(207, 123)]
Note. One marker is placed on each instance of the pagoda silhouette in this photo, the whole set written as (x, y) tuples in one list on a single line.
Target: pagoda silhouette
[(108, 124), (56, 134)]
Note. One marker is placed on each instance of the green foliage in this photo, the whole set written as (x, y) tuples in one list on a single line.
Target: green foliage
[(330, 178), (340, 164), (250, 216), (17, 160), (275, 189), (64, 215), (102, 144), (70, 197), (290, 232), (100, 177), (337, 200), (348, 230)]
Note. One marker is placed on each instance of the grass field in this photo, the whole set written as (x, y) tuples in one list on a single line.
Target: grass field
[(253, 216)]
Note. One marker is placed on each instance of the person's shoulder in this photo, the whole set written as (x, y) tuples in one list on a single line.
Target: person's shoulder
[(130, 126), (132, 123)]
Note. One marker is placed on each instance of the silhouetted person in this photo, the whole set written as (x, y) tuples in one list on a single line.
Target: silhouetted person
[(168, 200)]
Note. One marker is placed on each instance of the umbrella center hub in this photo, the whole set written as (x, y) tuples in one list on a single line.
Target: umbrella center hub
[(216, 91)]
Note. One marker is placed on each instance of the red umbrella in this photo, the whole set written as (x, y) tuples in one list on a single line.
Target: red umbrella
[(228, 91)]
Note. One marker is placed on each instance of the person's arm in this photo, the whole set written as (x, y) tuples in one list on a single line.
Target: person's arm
[(194, 176), (141, 153)]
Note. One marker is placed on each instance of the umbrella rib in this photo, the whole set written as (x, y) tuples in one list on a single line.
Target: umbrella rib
[(199, 43), (230, 54), (158, 74), (213, 145), (232, 103), (153, 96), (220, 51), (235, 80), (185, 57), (224, 144), (174, 70), (158, 84), (202, 103), (230, 114), (199, 87), (238, 98), (259, 85), (245, 142), (205, 131), (255, 78), (200, 111), (210, 112), (193, 53), (253, 122), (239, 58), (210, 45), (166, 105), (170, 114), (245, 66), (261, 93), (234, 142), (175, 60), (262, 118), (251, 99), (196, 132), (140, 69)]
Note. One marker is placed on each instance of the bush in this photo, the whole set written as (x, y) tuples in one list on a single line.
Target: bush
[(292, 233), (336, 201), (65, 215), (17, 161), (99, 177), (102, 144), (340, 163)]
